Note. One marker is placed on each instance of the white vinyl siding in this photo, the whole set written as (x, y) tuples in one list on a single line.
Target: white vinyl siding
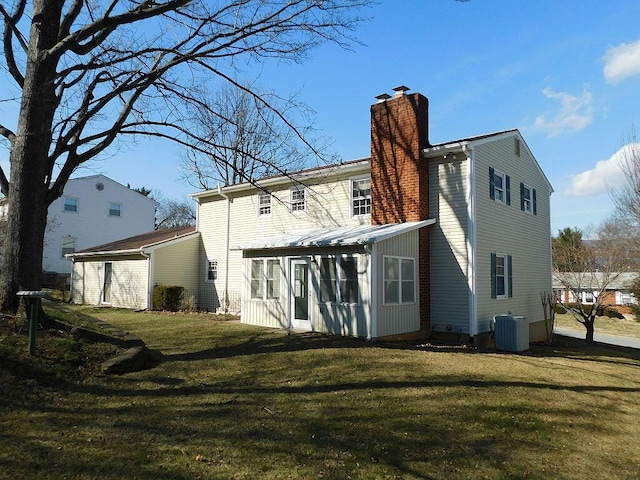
[(327, 206), (526, 238), (449, 247), (394, 319), (129, 282)]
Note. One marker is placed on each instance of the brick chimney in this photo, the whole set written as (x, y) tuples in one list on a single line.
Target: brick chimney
[(400, 176)]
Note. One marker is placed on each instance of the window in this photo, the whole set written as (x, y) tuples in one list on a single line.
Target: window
[(328, 280), (499, 186), (70, 204), (361, 197), (298, 200), (264, 203), (339, 280), (348, 274), (399, 280), (265, 282), (114, 209), (273, 279), (257, 278), (68, 245), (212, 270), (501, 275), (528, 199)]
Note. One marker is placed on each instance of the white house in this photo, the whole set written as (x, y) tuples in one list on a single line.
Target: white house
[(93, 210), (417, 240)]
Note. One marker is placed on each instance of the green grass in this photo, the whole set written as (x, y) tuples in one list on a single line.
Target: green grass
[(231, 401), (605, 325)]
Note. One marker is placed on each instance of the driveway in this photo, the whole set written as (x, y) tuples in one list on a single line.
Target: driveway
[(599, 337)]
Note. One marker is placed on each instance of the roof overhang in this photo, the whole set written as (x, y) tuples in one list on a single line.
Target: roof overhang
[(335, 237)]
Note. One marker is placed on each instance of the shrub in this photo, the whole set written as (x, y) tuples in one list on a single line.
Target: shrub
[(167, 297), (612, 313), (189, 304), (560, 310)]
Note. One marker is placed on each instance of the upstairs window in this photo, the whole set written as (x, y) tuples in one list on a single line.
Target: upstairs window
[(499, 186), (70, 204), (361, 197), (264, 203), (501, 276), (298, 203), (114, 209), (528, 199), (68, 245)]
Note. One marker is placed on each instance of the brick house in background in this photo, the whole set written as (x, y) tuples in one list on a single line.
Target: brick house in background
[(419, 239)]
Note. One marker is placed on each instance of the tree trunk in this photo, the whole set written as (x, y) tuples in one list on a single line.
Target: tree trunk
[(30, 169), (590, 330)]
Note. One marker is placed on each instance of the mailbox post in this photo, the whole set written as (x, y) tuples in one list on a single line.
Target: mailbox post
[(33, 298)]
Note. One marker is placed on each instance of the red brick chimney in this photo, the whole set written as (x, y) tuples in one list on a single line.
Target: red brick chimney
[(400, 176)]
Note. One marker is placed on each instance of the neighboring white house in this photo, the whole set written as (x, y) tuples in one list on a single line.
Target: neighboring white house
[(93, 210), (418, 239)]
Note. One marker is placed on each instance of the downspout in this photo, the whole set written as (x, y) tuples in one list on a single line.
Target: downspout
[(472, 262), (149, 279), (372, 320), (225, 294)]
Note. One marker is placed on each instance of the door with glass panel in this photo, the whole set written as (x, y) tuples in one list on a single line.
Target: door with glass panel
[(299, 293)]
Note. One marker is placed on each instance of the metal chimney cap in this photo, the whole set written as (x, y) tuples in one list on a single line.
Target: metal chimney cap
[(382, 97), (400, 89)]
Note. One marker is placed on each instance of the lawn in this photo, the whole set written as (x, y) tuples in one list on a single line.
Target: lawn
[(606, 325), (231, 401)]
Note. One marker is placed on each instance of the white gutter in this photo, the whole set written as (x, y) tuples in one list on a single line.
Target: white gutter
[(225, 295), (472, 261)]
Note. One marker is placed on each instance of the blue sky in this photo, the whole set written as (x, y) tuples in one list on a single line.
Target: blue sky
[(566, 73)]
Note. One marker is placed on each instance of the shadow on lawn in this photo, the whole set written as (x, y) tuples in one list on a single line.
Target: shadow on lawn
[(295, 341)]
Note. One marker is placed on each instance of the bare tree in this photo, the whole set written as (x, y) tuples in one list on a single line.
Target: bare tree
[(588, 269), (244, 141), (175, 213), (90, 73)]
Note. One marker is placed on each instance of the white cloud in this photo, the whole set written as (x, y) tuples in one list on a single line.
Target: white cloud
[(605, 174), (622, 62), (574, 115)]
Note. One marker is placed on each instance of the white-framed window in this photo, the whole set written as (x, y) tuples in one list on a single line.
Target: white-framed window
[(273, 279), (70, 204), (298, 200), (264, 203), (339, 280), (68, 245), (399, 278), (360, 196), (265, 279), (115, 209), (501, 275), (212, 270), (499, 186), (528, 199)]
